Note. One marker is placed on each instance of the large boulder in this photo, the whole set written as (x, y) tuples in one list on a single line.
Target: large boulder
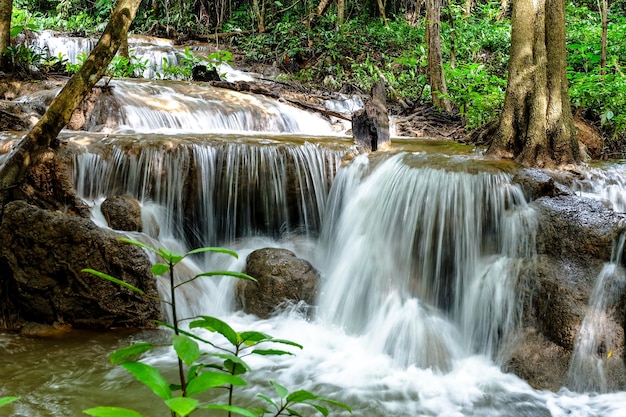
[(42, 255), (122, 212), (282, 278), (576, 238)]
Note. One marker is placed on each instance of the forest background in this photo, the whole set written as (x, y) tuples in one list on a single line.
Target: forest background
[(348, 46)]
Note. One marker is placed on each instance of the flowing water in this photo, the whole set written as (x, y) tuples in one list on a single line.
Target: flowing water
[(418, 250)]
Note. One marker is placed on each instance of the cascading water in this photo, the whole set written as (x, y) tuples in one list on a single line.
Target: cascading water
[(423, 242), (597, 337), (419, 256), (180, 107)]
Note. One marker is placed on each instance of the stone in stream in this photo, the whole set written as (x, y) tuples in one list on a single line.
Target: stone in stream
[(282, 278)]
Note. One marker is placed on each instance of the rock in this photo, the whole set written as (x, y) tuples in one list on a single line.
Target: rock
[(370, 125), (575, 239), (576, 229), (203, 73), (41, 260), (535, 183), (122, 212), (282, 278), (538, 361), (45, 330)]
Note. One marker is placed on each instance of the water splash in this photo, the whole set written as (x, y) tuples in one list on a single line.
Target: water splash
[(450, 240)]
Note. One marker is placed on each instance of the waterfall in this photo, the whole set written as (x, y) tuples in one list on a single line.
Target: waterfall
[(424, 258), (596, 338), (214, 191), (139, 106)]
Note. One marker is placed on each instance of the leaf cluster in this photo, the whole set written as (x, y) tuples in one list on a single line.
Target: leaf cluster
[(223, 366)]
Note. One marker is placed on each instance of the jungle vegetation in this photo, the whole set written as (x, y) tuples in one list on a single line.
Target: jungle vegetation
[(350, 45)]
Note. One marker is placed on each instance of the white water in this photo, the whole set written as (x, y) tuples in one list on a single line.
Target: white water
[(419, 267), (418, 263), (596, 339)]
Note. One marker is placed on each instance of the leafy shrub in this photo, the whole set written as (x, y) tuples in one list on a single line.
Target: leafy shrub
[(199, 371)]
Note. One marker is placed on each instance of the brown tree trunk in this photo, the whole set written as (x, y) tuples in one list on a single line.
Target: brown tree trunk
[(604, 12), (341, 8), (6, 7), (438, 86), (42, 135), (536, 125), (259, 12), (504, 9)]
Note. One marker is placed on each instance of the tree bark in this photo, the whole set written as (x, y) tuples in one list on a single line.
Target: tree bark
[(6, 7), (44, 133), (438, 87), (604, 13), (536, 126)]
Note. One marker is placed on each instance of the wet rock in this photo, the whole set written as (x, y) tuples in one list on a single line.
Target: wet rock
[(122, 212), (535, 183), (282, 278), (576, 236), (577, 229), (538, 361), (203, 73), (370, 125), (45, 330), (41, 259)]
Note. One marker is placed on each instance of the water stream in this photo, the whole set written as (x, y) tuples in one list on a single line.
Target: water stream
[(419, 252)]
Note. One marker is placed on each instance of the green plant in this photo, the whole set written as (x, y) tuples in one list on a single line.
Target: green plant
[(71, 67), (7, 400), (198, 371), (127, 67)]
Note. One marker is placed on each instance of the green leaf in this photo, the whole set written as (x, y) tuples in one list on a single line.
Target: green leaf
[(239, 275), (286, 342), (208, 380), (229, 357), (170, 256), (234, 368), (183, 406), (7, 400), (323, 410), (231, 408), (252, 336), (215, 250), (293, 412), (160, 269), (112, 279), (151, 377), (280, 390), (213, 324), (137, 243), (271, 352), (112, 412), (335, 403), (301, 396), (186, 349), (268, 400), (129, 352)]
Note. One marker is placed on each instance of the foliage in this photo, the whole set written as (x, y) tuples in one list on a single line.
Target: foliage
[(199, 372), (182, 68), (7, 400)]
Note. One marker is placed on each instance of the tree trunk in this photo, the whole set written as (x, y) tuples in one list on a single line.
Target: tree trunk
[(536, 125), (504, 9), (341, 8), (604, 12), (43, 134), (438, 87), (259, 12), (6, 7)]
